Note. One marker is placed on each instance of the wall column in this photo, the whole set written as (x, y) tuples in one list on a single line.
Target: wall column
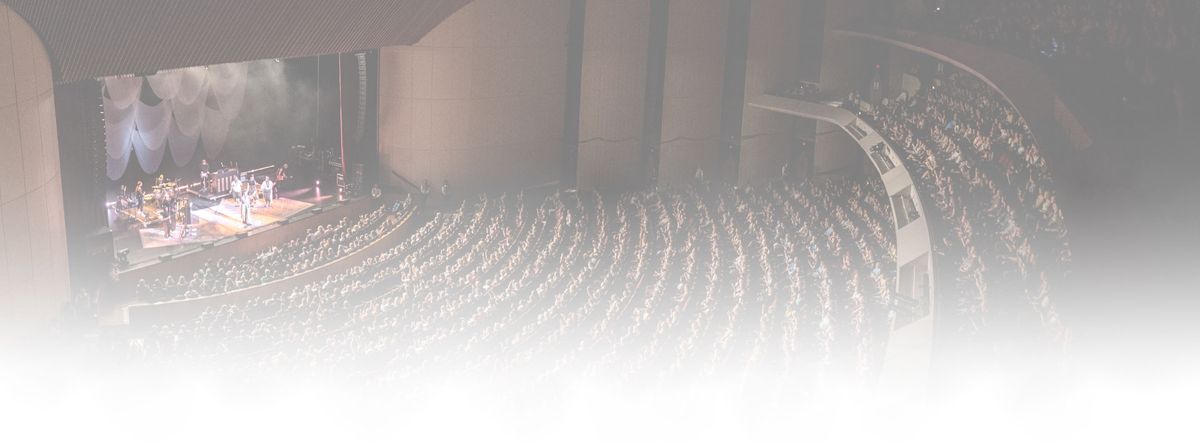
[(656, 77), (34, 273), (693, 89), (479, 101), (733, 101), (613, 94)]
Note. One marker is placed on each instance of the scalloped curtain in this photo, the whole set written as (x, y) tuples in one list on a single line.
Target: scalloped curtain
[(179, 122)]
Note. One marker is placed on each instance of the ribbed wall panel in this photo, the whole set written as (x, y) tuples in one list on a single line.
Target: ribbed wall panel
[(95, 38)]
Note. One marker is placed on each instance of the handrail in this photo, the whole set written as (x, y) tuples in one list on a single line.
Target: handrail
[(405, 180)]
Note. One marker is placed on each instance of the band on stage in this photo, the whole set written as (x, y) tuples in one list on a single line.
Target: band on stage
[(170, 204), (248, 192)]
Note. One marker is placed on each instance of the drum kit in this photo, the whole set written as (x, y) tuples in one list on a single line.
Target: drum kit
[(166, 203), (164, 192)]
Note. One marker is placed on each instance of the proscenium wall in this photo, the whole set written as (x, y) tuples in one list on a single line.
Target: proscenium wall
[(771, 62), (34, 275), (695, 75), (612, 97), (842, 60), (479, 101)]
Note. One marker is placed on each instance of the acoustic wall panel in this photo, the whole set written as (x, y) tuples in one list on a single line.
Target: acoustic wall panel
[(34, 274), (479, 101)]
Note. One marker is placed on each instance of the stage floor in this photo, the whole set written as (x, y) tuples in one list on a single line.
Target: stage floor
[(216, 222), (220, 221)]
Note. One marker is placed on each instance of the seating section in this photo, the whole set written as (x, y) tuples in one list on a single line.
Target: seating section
[(1141, 33), (797, 277), (1115, 63), (791, 276), (1001, 242), (318, 246)]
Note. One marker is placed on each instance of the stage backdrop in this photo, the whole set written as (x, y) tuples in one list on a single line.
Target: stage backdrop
[(250, 113), (194, 104)]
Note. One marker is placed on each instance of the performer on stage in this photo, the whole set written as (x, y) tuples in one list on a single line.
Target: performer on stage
[(268, 189), (245, 201), (168, 209), (204, 175), (281, 175), (235, 187), (252, 189), (140, 195), (185, 209)]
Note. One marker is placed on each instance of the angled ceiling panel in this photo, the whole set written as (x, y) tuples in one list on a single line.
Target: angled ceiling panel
[(96, 38)]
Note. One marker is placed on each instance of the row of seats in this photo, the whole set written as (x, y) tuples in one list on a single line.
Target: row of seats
[(789, 276), (318, 246), (1000, 236)]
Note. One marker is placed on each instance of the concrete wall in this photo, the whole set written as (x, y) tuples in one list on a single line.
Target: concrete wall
[(772, 61), (479, 101), (691, 136), (34, 275), (842, 59), (616, 37), (899, 63)]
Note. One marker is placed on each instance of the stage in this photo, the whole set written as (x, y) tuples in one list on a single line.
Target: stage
[(211, 222), (221, 220)]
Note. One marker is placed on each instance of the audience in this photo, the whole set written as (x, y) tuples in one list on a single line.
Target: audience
[(319, 246), (1002, 238), (798, 277), (789, 275), (1133, 29), (1116, 61)]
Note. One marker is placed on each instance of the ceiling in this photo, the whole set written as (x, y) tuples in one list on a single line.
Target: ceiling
[(95, 38)]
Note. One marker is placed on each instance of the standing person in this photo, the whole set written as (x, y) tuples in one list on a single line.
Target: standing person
[(140, 195), (186, 218), (168, 207), (281, 175), (245, 202), (251, 187), (425, 192), (268, 189), (235, 187), (204, 174)]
